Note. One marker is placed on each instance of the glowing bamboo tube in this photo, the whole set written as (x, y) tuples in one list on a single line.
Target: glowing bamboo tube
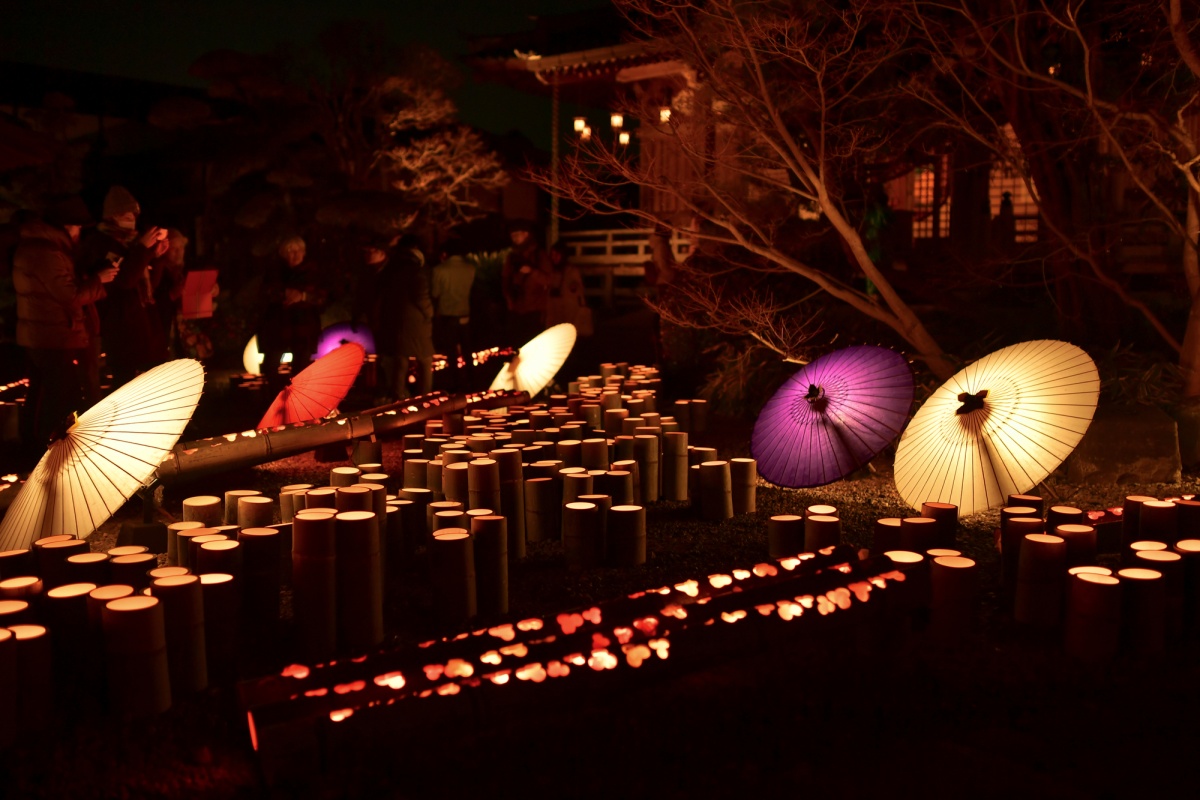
[(194, 545), (433, 478), (570, 452), (52, 559), (1158, 520), (821, 531), (16, 562), (1013, 530), (183, 619), (66, 614), (1170, 564), (321, 497), (631, 466), (626, 533), (359, 580), (699, 410), (1131, 514), (222, 612), (97, 599), (172, 538), (167, 572), (483, 483), (384, 479), (821, 510), (581, 535), (716, 490), (614, 418), (646, 447), (954, 585), (261, 548), (946, 515), (1039, 580), (127, 550), (744, 477), (675, 466), (289, 504), (415, 473), (1129, 557), (617, 484), (454, 482), (24, 587), (916, 588), (1063, 515), (354, 498), (35, 677), (491, 564), (887, 535), (448, 518), (88, 568), (438, 507), (543, 509), (314, 582), (204, 508), (512, 498), (344, 476), (223, 556), (1027, 501), (919, 534), (593, 454), (183, 544), (1081, 543), (452, 561), (255, 512), (136, 648), (1143, 611), (366, 451), (132, 570), (14, 612), (1093, 620), (575, 482), (9, 722), (785, 535), (232, 496), (416, 525)]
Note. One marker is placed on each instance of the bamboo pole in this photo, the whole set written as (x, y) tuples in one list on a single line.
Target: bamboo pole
[(1027, 501), (919, 534), (222, 612), (183, 619), (52, 560), (261, 578), (344, 476), (321, 497), (491, 536), (1063, 515), (314, 582), (785, 535), (821, 531), (1158, 520), (954, 588), (193, 547), (716, 490), (1143, 611), (1093, 621), (744, 478), (1170, 564), (359, 580), (1129, 557), (416, 525), (88, 568), (255, 512), (627, 535), (139, 683), (454, 481), (512, 498), (14, 612), (1081, 543), (224, 556), (581, 534), (231, 504), (35, 677), (288, 504), (132, 570), (1039, 595), (66, 614), (205, 509), (452, 561), (946, 515), (887, 535), (543, 504), (16, 562), (1013, 530), (1131, 514), (483, 483)]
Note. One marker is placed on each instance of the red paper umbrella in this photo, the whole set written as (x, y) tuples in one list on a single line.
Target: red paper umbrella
[(318, 389)]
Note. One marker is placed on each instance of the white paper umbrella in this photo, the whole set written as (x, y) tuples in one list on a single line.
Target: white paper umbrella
[(538, 361), (105, 457), (998, 427)]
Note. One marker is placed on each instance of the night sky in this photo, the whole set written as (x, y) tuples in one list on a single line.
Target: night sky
[(158, 39)]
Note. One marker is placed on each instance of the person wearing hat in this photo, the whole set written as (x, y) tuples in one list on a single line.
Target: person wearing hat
[(131, 338), (50, 313), (525, 279)]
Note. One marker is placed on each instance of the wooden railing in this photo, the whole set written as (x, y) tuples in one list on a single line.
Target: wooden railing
[(613, 262)]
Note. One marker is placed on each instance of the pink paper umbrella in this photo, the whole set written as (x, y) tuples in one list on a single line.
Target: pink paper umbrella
[(832, 416), (317, 389)]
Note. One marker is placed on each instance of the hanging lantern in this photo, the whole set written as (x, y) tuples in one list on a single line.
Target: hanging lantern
[(580, 124), (617, 120), (586, 133), (623, 138), (664, 114)]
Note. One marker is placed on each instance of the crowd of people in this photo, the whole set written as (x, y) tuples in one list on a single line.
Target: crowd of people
[(87, 289)]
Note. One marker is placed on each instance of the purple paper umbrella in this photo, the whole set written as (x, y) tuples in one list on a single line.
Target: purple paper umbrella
[(832, 416), (342, 333)]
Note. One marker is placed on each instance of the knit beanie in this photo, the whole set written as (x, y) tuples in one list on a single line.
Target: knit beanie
[(119, 201)]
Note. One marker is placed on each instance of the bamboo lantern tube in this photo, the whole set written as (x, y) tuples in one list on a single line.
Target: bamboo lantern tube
[(456, 456), (359, 580), (570, 452), (452, 561), (183, 617), (821, 510), (35, 677), (205, 509), (544, 469), (614, 419), (223, 556), (14, 612), (314, 582), (683, 414), (1013, 530), (433, 478), (166, 572), (397, 547), (744, 476), (1131, 516), (480, 443), (946, 515), (261, 577), (1143, 611), (593, 454), (622, 448), (1129, 556), (449, 518), (16, 562), (603, 505), (127, 550), (53, 557), (344, 476), (366, 451), (88, 568), (231, 504), (255, 512), (575, 483), (1028, 501), (1039, 592), (378, 494), (1063, 515), (716, 490), (512, 497), (626, 535), (698, 455), (491, 563), (132, 570), (418, 531), (1081, 543), (24, 587), (66, 614), (543, 509), (1158, 520), (431, 446), (919, 534), (1093, 619), (1170, 564), (646, 451), (617, 484), (438, 507), (415, 473), (954, 587), (915, 567), (381, 478), (887, 535), (9, 722), (593, 416), (785, 535), (483, 483), (675, 466), (354, 498), (193, 547), (97, 599), (581, 534), (821, 531), (322, 497), (635, 477), (1190, 550), (222, 613), (454, 481), (292, 487)]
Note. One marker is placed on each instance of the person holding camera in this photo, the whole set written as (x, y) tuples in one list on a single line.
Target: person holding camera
[(131, 338)]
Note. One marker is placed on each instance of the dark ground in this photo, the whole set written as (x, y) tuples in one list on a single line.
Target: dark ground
[(1000, 714)]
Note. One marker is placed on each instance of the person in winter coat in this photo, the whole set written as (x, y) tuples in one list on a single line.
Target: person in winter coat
[(450, 290), (128, 324), (415, 311), (378, 288), (294, 292), (50, 313), (166, 280), (525, 278)]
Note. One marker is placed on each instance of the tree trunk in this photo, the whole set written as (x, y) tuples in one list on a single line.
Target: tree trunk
[(1189, 355)]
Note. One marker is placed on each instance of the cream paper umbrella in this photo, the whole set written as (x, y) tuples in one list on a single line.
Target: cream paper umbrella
[(998, 427), (538, 361), (105, 456)]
